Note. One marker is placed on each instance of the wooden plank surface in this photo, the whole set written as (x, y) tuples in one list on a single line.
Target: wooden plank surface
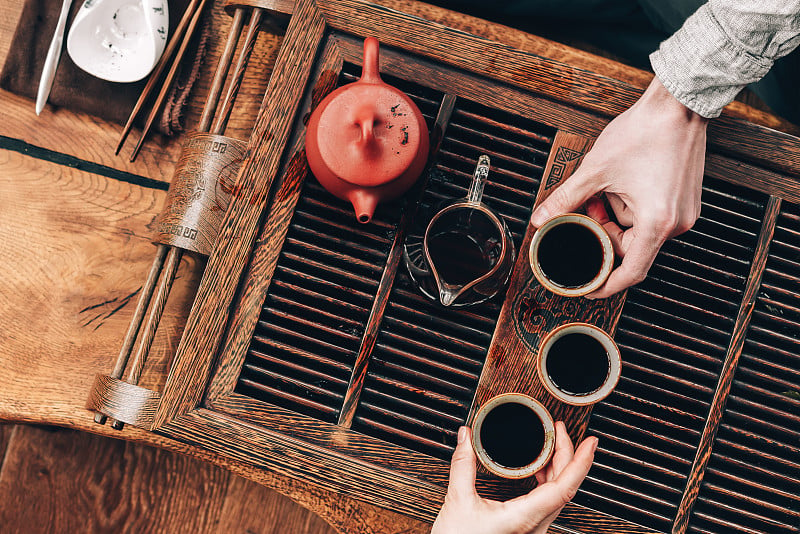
[(78, 482), (530, 312), (76, 247)]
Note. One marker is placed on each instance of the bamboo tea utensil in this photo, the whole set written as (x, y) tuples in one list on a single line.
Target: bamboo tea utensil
[(156, 75), (238, 73), (133, 329), (222, 71), (162, 95), (165, 265)]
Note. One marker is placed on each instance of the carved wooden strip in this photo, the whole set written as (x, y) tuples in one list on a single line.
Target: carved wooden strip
[(372, 329), (204, 329), (734, 351), (343, 474), (200, 191), (292, 457), (123, 401), (333, 437), (529, 311)]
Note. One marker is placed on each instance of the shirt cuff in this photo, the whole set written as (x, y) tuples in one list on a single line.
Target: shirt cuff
[(702, 67)]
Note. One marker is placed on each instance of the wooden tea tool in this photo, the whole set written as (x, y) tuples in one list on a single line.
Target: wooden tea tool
[(189, 220)]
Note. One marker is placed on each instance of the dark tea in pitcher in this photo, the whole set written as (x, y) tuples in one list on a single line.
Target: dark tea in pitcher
[(464, 245)]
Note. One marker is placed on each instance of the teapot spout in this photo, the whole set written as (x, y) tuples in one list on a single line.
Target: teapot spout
[(364, 204)]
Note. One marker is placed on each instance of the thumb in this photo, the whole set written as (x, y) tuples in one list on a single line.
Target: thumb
[(462, 468), (568, 196)]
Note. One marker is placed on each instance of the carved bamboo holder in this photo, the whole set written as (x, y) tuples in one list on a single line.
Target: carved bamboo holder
[(198, 197)]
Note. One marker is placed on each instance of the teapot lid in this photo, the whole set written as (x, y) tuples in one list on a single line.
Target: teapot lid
[(369, 133)]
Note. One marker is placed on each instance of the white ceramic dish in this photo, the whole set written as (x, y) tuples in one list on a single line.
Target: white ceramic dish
[(119, 40)]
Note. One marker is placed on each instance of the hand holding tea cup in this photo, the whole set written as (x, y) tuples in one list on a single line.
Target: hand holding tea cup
[(466, 512), (649, 163)]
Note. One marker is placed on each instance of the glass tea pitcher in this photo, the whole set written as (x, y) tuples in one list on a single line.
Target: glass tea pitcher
[(463, 253)]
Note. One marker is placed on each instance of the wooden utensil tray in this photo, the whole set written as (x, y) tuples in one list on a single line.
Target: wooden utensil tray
[(309, 352)]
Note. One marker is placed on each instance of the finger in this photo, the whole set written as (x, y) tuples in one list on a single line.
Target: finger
[(622, 211), (564, 451), (462, 468), (571, 194), (550, 497), (636, 261), (597, 211), (542, 475)]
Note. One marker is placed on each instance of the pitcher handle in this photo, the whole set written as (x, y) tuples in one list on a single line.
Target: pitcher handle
[(478, 180)]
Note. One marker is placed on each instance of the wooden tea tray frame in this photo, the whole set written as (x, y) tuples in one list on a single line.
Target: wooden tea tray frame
[(198, 404)]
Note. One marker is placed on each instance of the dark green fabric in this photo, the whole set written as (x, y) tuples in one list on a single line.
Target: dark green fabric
[(629, 29)]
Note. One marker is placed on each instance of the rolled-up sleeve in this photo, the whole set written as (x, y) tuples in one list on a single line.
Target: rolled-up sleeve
[(722, 47)]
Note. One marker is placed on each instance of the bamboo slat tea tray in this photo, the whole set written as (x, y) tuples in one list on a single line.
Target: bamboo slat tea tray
[(309, 352)]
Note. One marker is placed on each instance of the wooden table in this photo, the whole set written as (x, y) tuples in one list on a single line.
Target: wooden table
[(75, 238)]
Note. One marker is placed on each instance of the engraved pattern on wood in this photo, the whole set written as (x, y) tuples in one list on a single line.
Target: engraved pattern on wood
[(530, 311), (200, 191)]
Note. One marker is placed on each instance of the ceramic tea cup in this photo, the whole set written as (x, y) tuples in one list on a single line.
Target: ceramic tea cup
[(513, 435), (571, 255), (579, 364)]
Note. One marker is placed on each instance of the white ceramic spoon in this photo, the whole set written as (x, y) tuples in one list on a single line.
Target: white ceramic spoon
[(119, 40)]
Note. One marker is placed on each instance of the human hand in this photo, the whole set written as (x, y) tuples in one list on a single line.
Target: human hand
[(466, 512), (649, 163)]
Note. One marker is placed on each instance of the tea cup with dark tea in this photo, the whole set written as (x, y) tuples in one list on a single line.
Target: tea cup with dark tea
[(464, 253), (571, 255), (513, 435), (579, 364)]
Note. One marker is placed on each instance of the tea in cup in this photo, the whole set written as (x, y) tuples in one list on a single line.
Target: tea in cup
[(571, 255), (513, 435), (579, 364)]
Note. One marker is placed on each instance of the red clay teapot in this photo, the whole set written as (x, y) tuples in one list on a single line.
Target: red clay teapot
[(367, 141)]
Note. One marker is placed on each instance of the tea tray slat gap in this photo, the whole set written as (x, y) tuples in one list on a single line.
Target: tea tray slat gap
[(752, 478)]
